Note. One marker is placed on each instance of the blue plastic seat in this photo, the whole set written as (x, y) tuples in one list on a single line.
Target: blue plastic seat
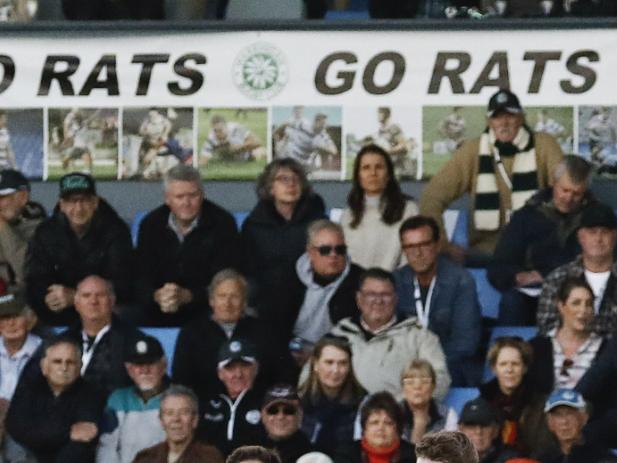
[(488, 296), (167, 337), (457, 397), (240, 217), (525, 332), (139, 216)]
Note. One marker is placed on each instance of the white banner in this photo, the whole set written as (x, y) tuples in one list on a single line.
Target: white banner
[(230, 101)]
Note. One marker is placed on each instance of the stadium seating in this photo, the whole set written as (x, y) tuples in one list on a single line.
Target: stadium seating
[(488, 296), (458, 396), (139, 216), (167, 337)]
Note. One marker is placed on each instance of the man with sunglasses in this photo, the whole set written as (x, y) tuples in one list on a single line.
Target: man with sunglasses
[(382, 343), (440, 294), (281, 415), (319, 293)]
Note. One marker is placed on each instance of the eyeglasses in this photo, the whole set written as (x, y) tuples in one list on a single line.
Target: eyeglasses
[(566, 365), (287, 410), (370, 296), (421, 246), (413, 380), (287, 179), (326, 249)]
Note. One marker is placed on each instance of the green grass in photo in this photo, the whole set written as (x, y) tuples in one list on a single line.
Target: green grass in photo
[(255, 120), (100, 172), (475, 119)]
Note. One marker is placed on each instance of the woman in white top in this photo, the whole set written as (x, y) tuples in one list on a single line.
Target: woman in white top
[(571, 348), (376, 208)]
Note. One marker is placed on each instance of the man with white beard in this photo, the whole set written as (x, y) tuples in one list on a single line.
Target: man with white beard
[(132, 421)]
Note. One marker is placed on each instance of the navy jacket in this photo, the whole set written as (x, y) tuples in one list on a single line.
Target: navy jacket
[(538, 237), (455, 315)]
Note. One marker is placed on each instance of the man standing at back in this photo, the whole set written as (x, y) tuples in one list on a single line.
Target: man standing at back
[(181, 246), (500, 170)]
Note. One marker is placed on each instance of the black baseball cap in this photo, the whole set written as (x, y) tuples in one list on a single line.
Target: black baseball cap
[(280, 393), (11, 305), (76, 182), (479, 411), (236, 349), (144, 350), (599, 215), (11, 181), (504, 101)]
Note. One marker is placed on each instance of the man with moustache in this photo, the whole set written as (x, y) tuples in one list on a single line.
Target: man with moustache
[(131, 421)]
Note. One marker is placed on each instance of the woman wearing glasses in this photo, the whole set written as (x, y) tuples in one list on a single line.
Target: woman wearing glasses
[(274, 233), (376, 208), (330, 396), (421, 412), (521, 408), (572, 347)]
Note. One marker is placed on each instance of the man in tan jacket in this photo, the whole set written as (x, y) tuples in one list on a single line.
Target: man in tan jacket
[(500, 170)]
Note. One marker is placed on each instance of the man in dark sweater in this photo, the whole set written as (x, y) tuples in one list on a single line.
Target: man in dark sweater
[(55, 414), (181, 245)]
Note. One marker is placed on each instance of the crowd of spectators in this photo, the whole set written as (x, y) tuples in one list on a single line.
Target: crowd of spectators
[(301, 334), (109, 10)]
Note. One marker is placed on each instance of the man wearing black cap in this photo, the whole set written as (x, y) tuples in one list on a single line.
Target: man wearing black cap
[(597, 236), (132, 421), (19, 217), (84, 236), (234, 419), (480, 423), (500, 170), (281, 415)]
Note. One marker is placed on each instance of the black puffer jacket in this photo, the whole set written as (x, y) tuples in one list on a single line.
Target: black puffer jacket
[(57, 256), (272, 245)]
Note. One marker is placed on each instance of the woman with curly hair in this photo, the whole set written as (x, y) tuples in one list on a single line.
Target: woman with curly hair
[(274, 234)]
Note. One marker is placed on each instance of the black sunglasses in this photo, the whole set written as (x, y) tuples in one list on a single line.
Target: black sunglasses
[(326, 249), (287, 410)]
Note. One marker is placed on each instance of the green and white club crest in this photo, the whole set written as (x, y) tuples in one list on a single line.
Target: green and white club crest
[(260, 71)]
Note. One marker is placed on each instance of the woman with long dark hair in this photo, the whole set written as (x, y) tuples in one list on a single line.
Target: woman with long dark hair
[(376, 208), (571, 348)]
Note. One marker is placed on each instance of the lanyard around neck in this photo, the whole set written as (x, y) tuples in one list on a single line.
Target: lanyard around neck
[(89, 349), (423, 310)]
